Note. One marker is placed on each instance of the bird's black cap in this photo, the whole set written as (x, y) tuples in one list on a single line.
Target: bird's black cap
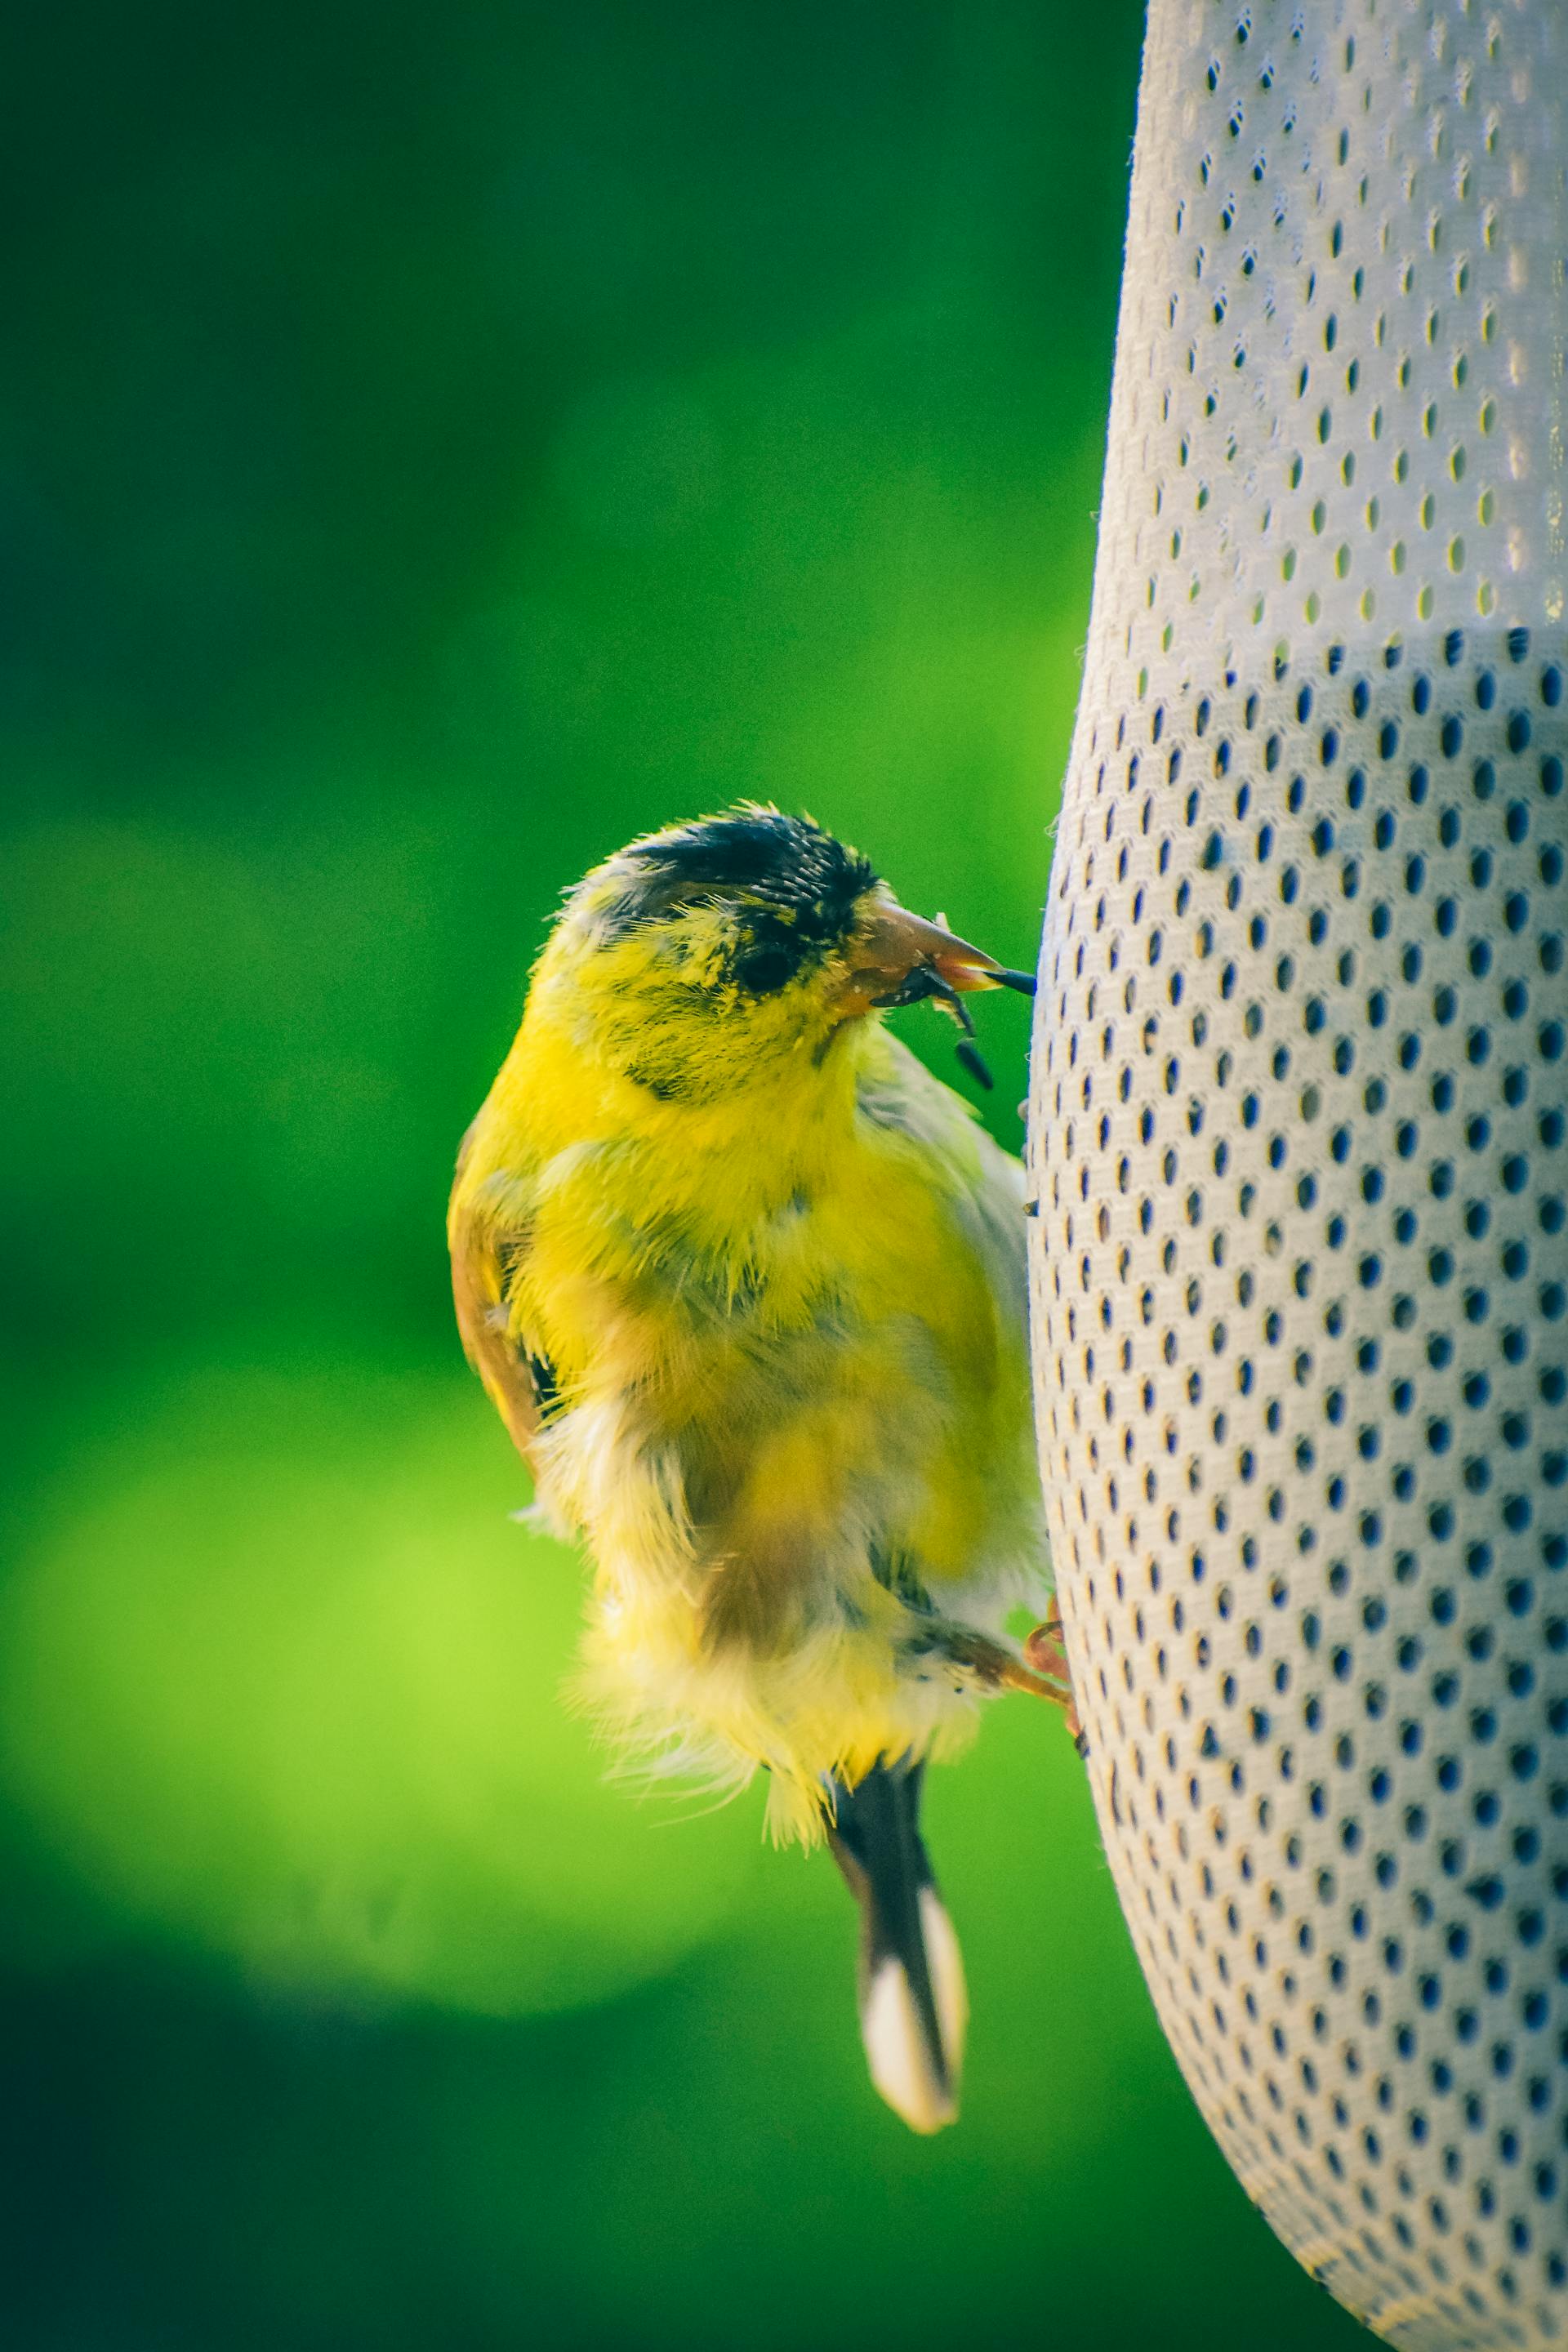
[(785, 861), (801, 885)]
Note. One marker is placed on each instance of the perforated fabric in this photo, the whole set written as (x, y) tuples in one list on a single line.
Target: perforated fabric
[(1297, 1138)]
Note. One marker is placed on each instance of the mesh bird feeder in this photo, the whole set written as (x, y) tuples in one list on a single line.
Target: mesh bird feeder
[(1297, 1137)]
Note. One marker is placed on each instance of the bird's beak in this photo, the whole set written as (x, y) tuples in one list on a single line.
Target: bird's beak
[(896, 957)]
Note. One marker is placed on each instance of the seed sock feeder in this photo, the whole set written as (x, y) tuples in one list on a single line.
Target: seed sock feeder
[(1297, 1135)]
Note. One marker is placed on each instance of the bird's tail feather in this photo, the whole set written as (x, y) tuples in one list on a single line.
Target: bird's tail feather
[(913, 2004)]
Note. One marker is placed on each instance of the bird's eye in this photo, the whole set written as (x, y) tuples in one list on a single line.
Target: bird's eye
[(765, 970)]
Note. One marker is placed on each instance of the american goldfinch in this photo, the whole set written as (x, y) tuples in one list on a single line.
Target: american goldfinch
[(746, 1285)]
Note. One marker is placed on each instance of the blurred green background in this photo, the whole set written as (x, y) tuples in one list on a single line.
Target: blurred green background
[(438, 444)]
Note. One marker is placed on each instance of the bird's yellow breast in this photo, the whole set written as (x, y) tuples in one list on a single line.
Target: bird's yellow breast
[(786, 1334)]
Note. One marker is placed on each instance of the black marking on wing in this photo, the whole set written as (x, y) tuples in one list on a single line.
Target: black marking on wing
[(662, 1086), (895, 1571), (546, 1387)]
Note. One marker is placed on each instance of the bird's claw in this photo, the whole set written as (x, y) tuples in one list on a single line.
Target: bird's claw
[(1043, 1671), (1046, 1654), (993, 1665)]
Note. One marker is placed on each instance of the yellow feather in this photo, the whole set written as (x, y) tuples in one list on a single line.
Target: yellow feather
[(775, 1273)]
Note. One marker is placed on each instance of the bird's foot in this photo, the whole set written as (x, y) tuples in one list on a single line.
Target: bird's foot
[(1042, 1671), (1046, 1654)]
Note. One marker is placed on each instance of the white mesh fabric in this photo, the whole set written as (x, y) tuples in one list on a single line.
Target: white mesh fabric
[(1297, 1134)]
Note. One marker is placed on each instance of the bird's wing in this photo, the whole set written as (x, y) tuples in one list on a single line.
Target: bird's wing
[(487, 1238), (984, 1183)]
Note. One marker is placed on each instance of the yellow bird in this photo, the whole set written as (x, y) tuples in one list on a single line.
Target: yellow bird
[(746, 1285)]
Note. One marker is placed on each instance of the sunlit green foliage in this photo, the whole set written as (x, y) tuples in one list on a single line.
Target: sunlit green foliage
[(285, 1685)]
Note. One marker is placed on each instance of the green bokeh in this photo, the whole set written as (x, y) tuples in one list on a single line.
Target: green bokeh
[(442, 445), (286, 1688)]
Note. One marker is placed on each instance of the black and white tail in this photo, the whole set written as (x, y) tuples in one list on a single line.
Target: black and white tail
[(913, 2004)]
